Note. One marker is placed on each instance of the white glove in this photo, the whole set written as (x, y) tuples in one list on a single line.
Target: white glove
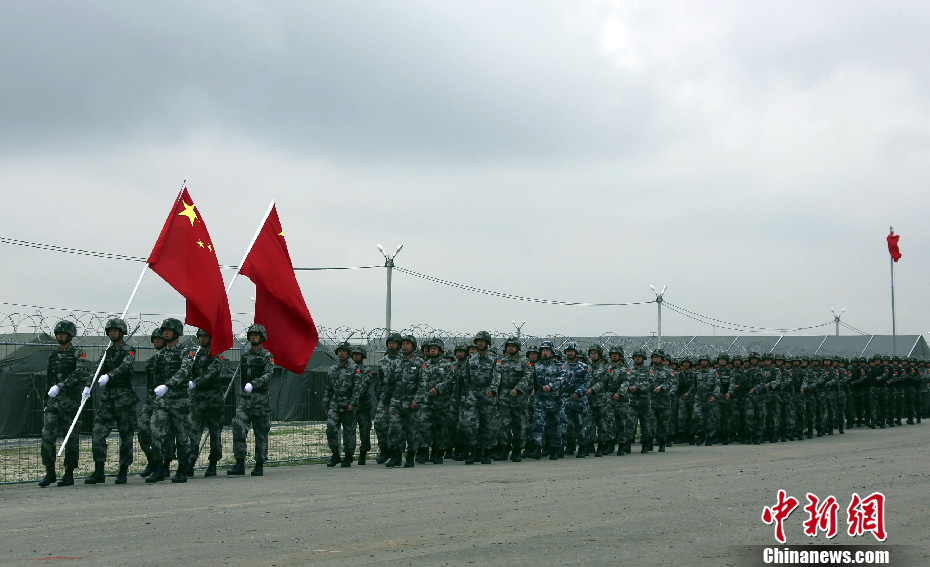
[(85, 395), (160, 390), (103, 379), (248, 388), (53, 391), (191, 385)]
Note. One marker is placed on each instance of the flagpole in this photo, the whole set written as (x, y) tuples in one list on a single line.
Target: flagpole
[(100, 364), (894, 334), (251, 244)]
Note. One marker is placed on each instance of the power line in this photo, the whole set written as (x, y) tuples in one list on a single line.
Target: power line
[(853, 329), (734, 326), (124, 257), (512, 296)]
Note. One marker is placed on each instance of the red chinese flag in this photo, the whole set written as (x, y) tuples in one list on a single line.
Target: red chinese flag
[(185, 258), (279, 305), (893, 246)]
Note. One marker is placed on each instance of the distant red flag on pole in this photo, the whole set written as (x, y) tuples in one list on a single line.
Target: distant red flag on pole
[(279, 304), (893, 246), (185, 258)]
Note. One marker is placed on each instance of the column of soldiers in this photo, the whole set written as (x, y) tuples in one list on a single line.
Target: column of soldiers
[(185, 392), (470, 404)]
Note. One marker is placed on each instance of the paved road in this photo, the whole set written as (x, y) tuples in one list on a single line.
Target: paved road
[(689, 506)]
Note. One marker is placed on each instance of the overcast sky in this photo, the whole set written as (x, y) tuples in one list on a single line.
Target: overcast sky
[(750, 155)]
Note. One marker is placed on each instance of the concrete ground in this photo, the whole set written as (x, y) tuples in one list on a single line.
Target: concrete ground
[(688, 506)]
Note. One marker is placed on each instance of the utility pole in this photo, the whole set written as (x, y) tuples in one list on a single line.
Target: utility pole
[(659, 303), (836, 319), (389, 264)]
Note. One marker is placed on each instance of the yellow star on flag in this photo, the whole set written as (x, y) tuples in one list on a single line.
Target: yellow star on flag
[(210, 246), (281, 233), (189, 212), (200, 242)]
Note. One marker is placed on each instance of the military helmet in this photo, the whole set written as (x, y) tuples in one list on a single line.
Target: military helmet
[(157, 334), (393, 336), (460, 346), (546, 344), (639, 352), (511, 340), (202, 333), (65, 327), (482, 335), (780, 356), (436, 342), (344, 345), (532, 348), (359, 349), (724, 356), (616, 349), (570, 345), (118, 324), (175, 325), (596, 348), (410, 339), (738, 357), (704, 356), (658, 352), (260, 329), (754, 354), (768, 356)]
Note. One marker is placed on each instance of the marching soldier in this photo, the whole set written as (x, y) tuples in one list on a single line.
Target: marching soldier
[(68, 369), (483, 378), (366, 402), (437, 388), (344, 387), (148, 407), (254, 409), (401, 399), (172, 412), (208, 392), (117, 407), (385, 368)]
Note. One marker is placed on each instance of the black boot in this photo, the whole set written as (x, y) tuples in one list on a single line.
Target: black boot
[(498, 454), (383, 456), (527, 451), (334, 460), (49, 477), (98, 477), (516, 457), (422, 455), (437, 456), (259, 469), (157, 475), (398, 458), (190, 469), (645, 446), (411, 459), (347, 461), (600, 450), (536, 454), (211, 470), (180, 476), (661, 446), (470, 457), (361, 457), (121, 475), (628, 447), (149, 469), (68, 479), (485, 457), (238, 469), (570, 449)]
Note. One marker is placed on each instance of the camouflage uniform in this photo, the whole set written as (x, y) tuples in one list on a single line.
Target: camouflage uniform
[(576, 380), (740, 384), (664, 379), (548, 416), (483, 375), (704, 393), (400, 390), (367, 402), (812, 388), (618, 393), (117, 406), (516, 375), (460, 372), (757, 395), (66, 369), (254, 409), (725, 405), (171, 414), (685, 426), (643, 379), (345, 385), (208, 374), (601, 414), (145, 419), (385, 367), (435, 427)]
